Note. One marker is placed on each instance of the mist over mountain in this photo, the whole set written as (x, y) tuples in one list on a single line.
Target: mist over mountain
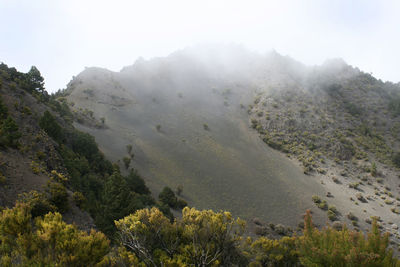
[(184, 116), (157, 156), (198, 119)]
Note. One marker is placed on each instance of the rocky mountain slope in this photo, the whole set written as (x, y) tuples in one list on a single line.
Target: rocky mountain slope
[(198, 119), (186, 118), (342, 126)]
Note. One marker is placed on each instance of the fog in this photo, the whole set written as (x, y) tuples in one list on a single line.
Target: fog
[(63, 37)]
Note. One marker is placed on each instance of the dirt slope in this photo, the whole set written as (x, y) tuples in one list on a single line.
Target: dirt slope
[(186, 117)]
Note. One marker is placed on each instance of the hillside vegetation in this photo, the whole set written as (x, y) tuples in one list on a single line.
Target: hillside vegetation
[(65, 204), (341, 125), (53, 167)]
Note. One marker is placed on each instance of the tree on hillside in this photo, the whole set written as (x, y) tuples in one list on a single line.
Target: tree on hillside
[(118, 200), (9, 133), (136, 183), (35, 79), (3, 110), (167, 196), (49, 124)]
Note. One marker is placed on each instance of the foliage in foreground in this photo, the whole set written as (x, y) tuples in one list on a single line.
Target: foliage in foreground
[(344, 248), (206, 238), (199, 238), (46, 241)]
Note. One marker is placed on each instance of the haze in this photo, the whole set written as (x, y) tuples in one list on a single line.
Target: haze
[(62, 37)]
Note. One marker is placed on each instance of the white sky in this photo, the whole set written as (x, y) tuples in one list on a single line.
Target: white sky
[(62, 37)]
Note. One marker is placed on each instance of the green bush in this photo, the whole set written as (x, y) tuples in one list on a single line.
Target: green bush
[(330, 247), (316, 199), (136, 183), (58, 196), (38, 203), (9, 133), (331, 215), (3, 110), (49, 124), (167, 196), (180, 204)]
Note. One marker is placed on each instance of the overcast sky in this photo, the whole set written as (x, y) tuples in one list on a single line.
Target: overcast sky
[(63, 37)]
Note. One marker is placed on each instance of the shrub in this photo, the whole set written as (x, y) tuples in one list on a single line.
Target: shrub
[(280, 229), (27, 110), (3, 110), (331, 215), (58, 196), (136, 183), (354, 185), (330, 247), (36, 168), (38, 203), (352, 217), (323, 205), (9, 133), (260, 230), (180, 204), (360, 197), (127, 162), (3, 179), (333, 209), (316, 199), (179, 189), (269, 252), (205, 238), (79, 199), (48, 241), (49, 124), (85, 145), (167, 196), (374, 171), (388, 201)]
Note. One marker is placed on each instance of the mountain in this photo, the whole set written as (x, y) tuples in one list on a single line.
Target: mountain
[(184, 116), (200, 117), (331, 127)]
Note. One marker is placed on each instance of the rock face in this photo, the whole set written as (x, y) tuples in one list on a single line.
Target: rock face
[(186, 118)]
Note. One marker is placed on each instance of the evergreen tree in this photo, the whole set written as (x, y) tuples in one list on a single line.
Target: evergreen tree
[(49, 124), (35, 80), (167, 196), (9, 134)]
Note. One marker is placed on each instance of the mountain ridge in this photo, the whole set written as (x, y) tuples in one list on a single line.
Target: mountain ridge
[(189, 118)]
